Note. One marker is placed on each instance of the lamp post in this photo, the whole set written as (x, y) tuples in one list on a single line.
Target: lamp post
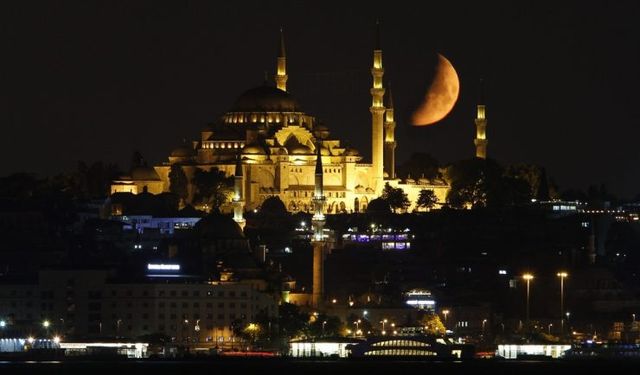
[(196, 328), (46, 324), (323, 323), (484, 322), (527, 277), (445, 312), (549, 327), (562, 275), (357, 323), (383, 321)]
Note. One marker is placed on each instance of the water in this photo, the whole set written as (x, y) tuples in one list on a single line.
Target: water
[(303, 367)]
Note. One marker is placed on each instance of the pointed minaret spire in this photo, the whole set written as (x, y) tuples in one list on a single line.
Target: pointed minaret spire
[(389, 100), (481, 125), (238, 201), (377, 116), (317, 222), (319, 176), (282, 49), (389, 138), (377, 43), (318, 195), (281, 69)]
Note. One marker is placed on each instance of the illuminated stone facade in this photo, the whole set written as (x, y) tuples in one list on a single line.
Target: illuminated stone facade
[(276, 143)]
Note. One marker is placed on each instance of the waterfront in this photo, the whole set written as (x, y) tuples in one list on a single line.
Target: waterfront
[(268, 366)]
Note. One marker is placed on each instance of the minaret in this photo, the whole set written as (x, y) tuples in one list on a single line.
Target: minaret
[(389, 139), (481, 127), (238, 201), (377, 114), (281, 70), (318, 241)]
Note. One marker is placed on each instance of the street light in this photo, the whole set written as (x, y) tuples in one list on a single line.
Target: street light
[(484, 321), (527, 277), (357, 323), (383, 322), (3, 323), (445, 312), (549, 327), (323, 323), (562, 275)]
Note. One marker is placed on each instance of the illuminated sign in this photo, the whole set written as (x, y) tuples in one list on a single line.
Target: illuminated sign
[(414, 302), (163, 267)]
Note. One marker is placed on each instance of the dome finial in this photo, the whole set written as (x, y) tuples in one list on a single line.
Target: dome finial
[(282, 50), (377, 44)]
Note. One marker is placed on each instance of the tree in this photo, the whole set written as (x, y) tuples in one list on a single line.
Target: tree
[(427, 199), (470, 182), (178, 183), (543, 187), (484, 183), (419, 164), (291, 321), (213, 187), (324, 325), (94, 181), (573, 195), (432, 324), (396, 197)]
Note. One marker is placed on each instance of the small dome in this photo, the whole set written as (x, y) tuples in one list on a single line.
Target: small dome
[(254, 149), (300, 150), (182, 152), (351, 152), (144, 173), (265, 99), (218, 226)]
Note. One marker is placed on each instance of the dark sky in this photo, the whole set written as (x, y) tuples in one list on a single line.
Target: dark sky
[(96, 80)]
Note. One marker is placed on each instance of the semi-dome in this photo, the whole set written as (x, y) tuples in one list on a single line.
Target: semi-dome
[(265, 99), (254, 149), (300, 149)]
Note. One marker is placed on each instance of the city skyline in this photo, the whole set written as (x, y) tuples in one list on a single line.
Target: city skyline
[(90, 82)]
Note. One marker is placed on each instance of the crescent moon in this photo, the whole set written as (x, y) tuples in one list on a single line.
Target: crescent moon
[(441, 96)]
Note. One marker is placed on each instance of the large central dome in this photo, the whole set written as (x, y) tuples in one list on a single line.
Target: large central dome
[(265, 99)]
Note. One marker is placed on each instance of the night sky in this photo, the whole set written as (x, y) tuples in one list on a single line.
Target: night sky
[(96, 80)]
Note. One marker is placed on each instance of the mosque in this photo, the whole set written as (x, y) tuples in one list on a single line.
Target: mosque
[(270, 145)]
